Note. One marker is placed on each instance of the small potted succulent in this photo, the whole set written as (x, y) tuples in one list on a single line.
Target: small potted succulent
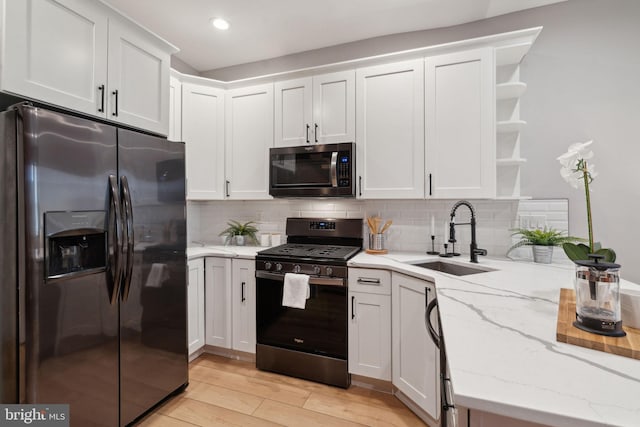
[(541, 242), (240, 232)]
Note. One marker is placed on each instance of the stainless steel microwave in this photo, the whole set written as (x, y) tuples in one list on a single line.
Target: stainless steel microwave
[(321, 170)]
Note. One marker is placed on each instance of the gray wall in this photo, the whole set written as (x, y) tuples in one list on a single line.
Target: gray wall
[(583, 75), (183, 67)]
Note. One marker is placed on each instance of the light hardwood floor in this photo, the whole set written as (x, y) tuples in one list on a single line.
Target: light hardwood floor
[(227, 392)]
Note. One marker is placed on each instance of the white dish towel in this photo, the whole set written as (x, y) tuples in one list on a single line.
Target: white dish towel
[(295, 291)]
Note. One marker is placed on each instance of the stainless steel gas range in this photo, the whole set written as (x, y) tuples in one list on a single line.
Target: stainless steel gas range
[(308, 343)]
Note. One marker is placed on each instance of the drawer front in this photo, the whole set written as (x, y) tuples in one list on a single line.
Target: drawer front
[(370, 281)]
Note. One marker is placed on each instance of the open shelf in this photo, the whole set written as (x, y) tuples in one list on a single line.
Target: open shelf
[(510, 90), (510, 126), (512, 54), (510, 162)]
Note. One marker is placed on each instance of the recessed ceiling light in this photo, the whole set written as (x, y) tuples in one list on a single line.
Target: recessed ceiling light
[(220, 23)]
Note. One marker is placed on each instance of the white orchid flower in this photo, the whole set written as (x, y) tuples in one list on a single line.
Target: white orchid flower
[(574, 164), (576, 152)]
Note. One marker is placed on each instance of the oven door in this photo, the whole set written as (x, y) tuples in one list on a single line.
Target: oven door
[(312, 170), (320, 328)]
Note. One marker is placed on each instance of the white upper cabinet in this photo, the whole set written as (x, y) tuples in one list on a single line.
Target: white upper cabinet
[(460, 125), (334, 107), (138, 79), (203, 134), (175, 109), (78, 54), (249, 135), (318, 109), (293, 112), (56, 51), (390, 129)]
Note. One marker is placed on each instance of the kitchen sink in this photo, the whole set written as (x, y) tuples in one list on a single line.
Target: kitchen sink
[(453, 269)]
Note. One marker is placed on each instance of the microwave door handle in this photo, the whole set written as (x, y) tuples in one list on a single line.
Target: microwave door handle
[(334, 169)]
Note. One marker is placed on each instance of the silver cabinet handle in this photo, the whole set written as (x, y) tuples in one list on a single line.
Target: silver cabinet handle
[(369, 281), (226, 187), (308, 133)]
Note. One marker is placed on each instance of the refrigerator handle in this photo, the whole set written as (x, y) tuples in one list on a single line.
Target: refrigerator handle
[(128, 215), (116, 269)]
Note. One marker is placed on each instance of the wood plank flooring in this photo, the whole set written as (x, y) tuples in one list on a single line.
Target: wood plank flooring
[(227, 392)]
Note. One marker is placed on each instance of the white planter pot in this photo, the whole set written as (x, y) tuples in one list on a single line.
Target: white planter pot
[(542, 254), (239, 240)]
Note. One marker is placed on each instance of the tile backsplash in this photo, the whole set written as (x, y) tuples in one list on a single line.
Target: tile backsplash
[(411, 229)]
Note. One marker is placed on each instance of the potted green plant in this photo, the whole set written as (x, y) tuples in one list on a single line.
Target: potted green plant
[(541, 242), (239, 232)]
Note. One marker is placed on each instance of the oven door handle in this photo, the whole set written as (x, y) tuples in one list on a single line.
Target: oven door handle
[(334, 169), (322, 281)]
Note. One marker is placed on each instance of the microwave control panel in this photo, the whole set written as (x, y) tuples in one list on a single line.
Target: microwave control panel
[(344, 170)]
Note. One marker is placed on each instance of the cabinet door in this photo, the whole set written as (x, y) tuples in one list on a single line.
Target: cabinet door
[(370, 335), (416, 364), (195, 304), (244, 305), (175, 109), (138, 78), (203, 134), (334, 107), (460, 125), (218, 302), (56, 52), (293, 122), (390, 129), (249, 135)]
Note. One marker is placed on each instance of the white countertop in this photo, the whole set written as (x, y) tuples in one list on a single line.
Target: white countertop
[(500, 333), (244, 252)]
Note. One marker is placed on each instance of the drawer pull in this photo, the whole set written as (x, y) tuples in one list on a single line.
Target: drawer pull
[(368, 281)]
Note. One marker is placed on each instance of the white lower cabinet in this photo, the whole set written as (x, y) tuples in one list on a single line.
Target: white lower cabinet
[(416, 363), (218, 302), (195, 304), (370, 323), (230, 303), (243, 305)]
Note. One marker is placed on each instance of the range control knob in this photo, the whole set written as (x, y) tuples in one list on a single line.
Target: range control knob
[(329, 271), (278, 267), (316, 269), (296, 268), (267, 265)]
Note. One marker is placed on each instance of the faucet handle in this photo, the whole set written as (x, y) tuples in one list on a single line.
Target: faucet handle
[(479, 251)]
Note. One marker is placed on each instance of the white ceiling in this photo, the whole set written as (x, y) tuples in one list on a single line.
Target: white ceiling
[(263, 29)]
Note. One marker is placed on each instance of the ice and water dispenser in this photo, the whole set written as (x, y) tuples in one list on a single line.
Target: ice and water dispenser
[(76, 243)]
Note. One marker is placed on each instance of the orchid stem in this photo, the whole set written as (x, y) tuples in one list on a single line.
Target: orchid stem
[(585, 175)]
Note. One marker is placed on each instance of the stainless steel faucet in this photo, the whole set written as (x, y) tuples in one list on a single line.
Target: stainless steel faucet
[(473, 250)]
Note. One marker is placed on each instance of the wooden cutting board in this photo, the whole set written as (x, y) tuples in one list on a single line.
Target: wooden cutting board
[(628, 346)]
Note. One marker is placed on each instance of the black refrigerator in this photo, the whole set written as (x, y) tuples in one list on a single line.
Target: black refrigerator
[(93, 262)]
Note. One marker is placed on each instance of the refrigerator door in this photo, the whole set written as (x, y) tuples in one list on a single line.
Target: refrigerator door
[(8, 261), (70, 318), (153, 358)]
